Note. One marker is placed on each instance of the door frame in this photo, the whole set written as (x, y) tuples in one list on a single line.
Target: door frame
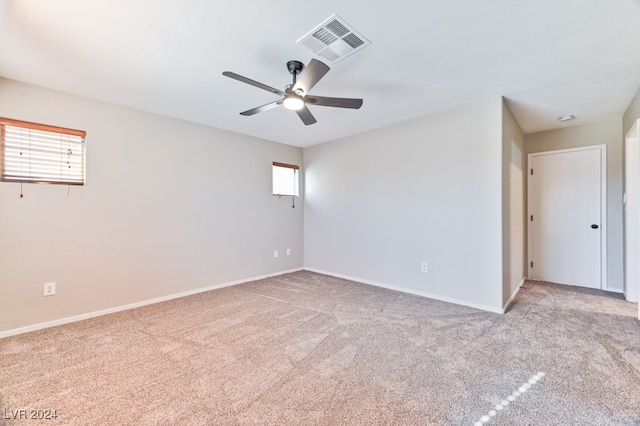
[(632, 172), (603, 208)]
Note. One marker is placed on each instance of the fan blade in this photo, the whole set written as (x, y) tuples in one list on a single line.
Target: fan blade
[(306, 116), (265, 107), (252, 82), (334, 102), (311, 76)]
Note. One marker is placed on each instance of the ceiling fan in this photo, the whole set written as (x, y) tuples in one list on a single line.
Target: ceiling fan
[(296, 96)]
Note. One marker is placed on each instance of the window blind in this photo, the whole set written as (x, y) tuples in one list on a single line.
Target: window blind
[(285, 179), (37, 153)]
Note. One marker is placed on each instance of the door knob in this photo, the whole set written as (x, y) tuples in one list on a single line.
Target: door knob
[(594, 226)]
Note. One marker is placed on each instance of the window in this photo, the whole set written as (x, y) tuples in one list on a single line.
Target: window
[(285, 179), (36, 153)]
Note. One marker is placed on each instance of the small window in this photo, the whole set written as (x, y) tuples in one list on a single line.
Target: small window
[(36, 153), (285, 179)]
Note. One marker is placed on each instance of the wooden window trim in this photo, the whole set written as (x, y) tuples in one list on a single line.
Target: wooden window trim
[(290, 166), (44, 127)]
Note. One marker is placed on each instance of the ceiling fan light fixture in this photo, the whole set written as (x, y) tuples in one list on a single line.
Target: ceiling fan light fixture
[(293, 102)]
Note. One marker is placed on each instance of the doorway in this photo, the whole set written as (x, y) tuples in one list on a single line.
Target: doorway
[(567, 216)]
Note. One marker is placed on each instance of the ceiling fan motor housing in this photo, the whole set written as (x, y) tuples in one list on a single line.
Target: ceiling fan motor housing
[(295, 67)]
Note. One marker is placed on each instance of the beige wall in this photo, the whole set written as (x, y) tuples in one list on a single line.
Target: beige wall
[(514, 165), (606, 132), (169, 207), (429, 190)]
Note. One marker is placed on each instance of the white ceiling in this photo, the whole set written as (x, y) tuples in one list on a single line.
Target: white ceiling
[(546, 57)]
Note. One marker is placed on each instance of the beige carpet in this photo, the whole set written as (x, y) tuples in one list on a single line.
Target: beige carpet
[(307, 349)]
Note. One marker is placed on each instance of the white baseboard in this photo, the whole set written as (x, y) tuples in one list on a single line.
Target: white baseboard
[(605, 288), (409, 291), (113, 310), (513, 296)]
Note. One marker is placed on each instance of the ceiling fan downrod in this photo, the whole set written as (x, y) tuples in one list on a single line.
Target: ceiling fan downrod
[(295, 68)]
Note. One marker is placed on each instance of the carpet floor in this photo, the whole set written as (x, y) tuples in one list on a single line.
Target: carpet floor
[(309, 349)]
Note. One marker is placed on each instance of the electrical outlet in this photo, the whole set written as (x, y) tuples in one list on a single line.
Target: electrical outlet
[(288, 252), (424, 267), (275, 253), (49, 289)]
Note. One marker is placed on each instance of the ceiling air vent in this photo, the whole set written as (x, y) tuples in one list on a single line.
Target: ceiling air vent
[(334, 39)]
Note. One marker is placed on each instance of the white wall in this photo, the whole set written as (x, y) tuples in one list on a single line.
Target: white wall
[(169, 207), (514, 166), (631, 114), (607, 132), (380, 203)]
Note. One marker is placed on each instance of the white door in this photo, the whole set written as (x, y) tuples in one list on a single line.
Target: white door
[(566, 216)]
